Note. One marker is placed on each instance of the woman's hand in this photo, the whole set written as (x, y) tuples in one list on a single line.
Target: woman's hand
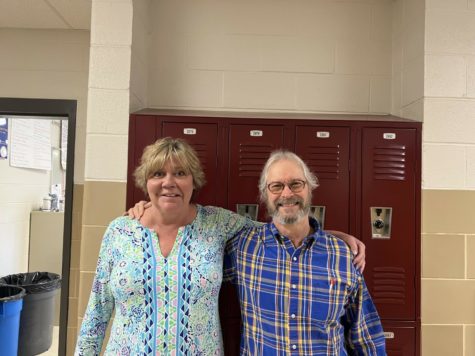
[(356, 246), (137, 211)]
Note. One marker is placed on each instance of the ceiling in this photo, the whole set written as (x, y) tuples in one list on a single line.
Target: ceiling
[(46, 14)]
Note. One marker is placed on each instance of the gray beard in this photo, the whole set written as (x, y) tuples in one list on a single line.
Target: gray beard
[(289, 220)]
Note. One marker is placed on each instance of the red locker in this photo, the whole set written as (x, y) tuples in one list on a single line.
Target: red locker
[(389, 182), (249, 149), (326, 150)]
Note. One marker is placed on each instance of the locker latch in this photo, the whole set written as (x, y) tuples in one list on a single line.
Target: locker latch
[(381, 222)]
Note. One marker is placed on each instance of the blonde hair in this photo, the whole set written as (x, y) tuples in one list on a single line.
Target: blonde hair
[(164, 150)]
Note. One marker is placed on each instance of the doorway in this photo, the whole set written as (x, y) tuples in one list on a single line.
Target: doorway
[(61, 115)]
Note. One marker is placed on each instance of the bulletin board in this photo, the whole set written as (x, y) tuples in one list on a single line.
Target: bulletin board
[(30, 143)]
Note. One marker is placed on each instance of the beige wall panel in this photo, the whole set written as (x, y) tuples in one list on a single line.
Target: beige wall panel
[(315, 18), (363, 57), (351, 20), (471, 256), (470, 151), (381, 20), (446, 76), (413, 81), (169, 50), (298, 54), (443, 166), (92, 239), (448, 211), (73, 283), (443, 256), (31, 84), (471, 4), (174, 87), (449, 120), (71, 340), (85, 286), (109, 67), (333, 93), (112, 30), (26, 12), (72, 312), (59, 57), (442, 340), (448, 301), (259, 90), (470, 335), (103, 202), (224, 52), (106, 157), (75, 252), (414, 110), (380, 94), (138, 94), (446, 4), (110, 106), (470, 76), (258, 17), (450, 31)]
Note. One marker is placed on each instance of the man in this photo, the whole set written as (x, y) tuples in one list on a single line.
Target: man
[(298, 289)]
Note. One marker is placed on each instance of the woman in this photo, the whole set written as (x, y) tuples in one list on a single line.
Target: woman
[(162, 273)]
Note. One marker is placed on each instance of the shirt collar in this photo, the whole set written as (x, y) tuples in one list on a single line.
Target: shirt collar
[(273, 235)]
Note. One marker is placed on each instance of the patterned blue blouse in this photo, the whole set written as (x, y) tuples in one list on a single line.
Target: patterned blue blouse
[(163, 306)]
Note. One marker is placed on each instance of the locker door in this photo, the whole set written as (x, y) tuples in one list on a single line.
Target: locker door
[(249, 149), (400, 341), (326, 151), (388, 186), (203, 138)]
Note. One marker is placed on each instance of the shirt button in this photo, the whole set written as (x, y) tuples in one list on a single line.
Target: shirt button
[(294, 286), (295, 259), (294, 347), (293, 316)]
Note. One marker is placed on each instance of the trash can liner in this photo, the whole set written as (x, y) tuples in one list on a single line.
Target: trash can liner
[(36, 320), (11, 293), (34, 282)]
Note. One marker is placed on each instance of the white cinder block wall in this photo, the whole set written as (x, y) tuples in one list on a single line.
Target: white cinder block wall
[(449, 105), (37, 64), (302, 56)]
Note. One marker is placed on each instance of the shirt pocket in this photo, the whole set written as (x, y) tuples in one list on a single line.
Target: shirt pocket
[(329, 297)]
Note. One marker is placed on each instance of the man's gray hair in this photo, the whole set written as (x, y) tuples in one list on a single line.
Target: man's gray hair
[(281, 155)]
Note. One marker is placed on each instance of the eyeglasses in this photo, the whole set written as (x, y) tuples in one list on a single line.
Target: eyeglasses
[(296, 186)]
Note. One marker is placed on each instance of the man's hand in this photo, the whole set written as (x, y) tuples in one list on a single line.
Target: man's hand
[(356, 246), (137, 211)]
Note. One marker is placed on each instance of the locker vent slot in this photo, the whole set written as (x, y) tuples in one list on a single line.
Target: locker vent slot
[(389, 162), (252, 158), (200, 149), (389, 285), (324, 161)]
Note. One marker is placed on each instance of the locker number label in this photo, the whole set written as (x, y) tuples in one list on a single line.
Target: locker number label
[(388, 335), (323, 134), (256, 133), (189, 131), (389, 136)]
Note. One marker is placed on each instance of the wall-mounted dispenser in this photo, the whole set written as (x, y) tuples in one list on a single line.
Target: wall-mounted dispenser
[(248, 210), (381, 222), (318, 212)]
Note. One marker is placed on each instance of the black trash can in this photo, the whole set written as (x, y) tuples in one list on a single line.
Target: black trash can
[(36, 321)]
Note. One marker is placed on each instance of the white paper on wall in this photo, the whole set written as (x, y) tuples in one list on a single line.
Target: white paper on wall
[(30, 143)]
